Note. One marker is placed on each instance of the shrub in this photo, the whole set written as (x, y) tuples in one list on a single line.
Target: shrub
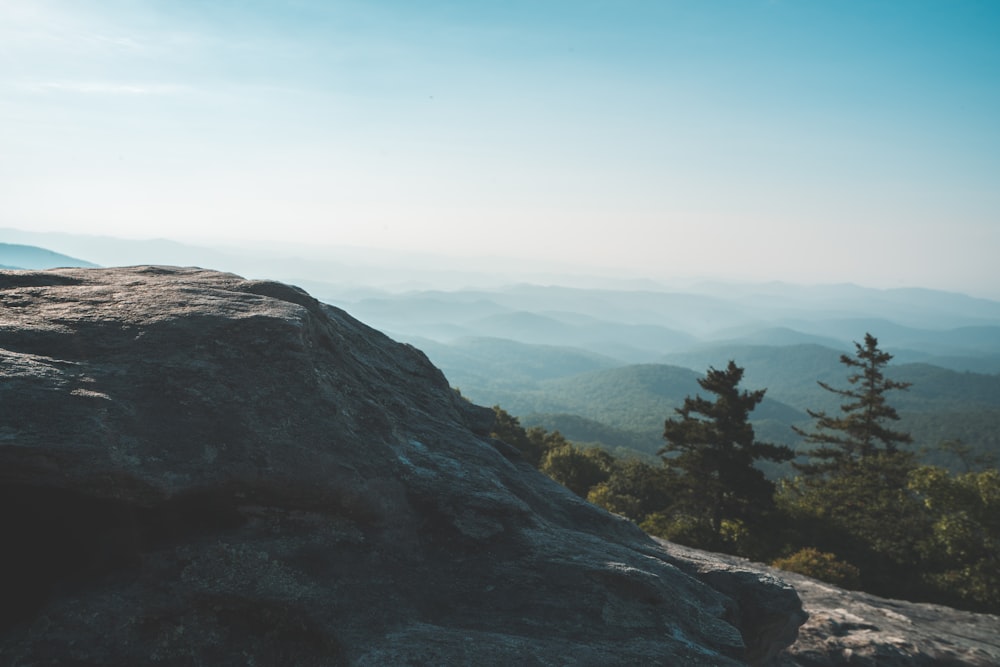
[(821, 565)]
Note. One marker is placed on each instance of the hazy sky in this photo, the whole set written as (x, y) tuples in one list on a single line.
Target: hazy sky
[(796, 140)]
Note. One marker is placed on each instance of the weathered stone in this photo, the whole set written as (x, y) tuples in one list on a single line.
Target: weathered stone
[(851, 627), (198, 469)]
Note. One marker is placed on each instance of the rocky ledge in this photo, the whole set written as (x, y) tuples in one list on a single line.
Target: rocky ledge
[(862, 630), (198, 469)]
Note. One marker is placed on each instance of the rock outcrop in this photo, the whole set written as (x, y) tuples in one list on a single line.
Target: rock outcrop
[(197, 469), (862, 630)]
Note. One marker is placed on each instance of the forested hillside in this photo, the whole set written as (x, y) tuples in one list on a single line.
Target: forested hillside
[(624, 407), (854, 505)]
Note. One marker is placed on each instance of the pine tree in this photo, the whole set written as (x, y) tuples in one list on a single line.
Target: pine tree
[(852, 498), (711, 450), (860, 432)]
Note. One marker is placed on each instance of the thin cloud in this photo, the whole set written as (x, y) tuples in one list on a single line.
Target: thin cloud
[(105, 88)]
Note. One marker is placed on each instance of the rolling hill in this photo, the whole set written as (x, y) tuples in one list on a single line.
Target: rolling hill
[(623, 407), (17, 256)]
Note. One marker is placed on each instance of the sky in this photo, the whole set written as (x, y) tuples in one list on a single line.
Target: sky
[(795, 140)]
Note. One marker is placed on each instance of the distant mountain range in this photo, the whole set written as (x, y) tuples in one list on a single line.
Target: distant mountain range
[(16, 256), (959, 333), (608, 365)]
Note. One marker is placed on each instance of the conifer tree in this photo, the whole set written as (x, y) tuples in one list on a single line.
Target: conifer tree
[(860, 432), (711, 450), (852, 498)]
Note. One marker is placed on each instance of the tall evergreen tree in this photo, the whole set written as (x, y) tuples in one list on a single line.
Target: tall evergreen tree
[(711, 450), (860, 432), (852, 498)]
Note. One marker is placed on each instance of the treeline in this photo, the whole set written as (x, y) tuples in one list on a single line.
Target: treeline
[(858, 512)]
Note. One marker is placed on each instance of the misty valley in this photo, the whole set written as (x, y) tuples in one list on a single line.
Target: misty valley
[(607, 367)]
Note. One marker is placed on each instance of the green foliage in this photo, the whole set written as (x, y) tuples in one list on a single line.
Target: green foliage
[(866, 516), (580, 430), (961, 555), (821, 565), (710, 454), (920, 533), (681, 528), (634, 489), (577, 469), (508, 428), (860, 431)]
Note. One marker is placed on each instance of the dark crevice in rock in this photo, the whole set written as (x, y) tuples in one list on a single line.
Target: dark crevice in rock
[(57, 541), (157, 270), (11, 280), (42, 343), (282, 634), (844, 629)]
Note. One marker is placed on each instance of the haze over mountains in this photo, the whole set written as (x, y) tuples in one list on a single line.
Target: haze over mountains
[(608, 366), (606, 362)]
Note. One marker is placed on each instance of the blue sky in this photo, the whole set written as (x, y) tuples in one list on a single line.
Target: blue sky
[(768, 140)]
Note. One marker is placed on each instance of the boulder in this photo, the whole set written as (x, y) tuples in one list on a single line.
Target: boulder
[(855, 628), (198, 469)]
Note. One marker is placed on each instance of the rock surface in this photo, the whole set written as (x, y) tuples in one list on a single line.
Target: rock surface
[(862, 630), (197, 469)]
